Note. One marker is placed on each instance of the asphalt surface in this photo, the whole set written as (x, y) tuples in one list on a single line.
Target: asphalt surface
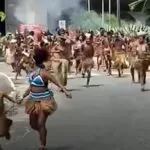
[(2, 59), (112, 114)]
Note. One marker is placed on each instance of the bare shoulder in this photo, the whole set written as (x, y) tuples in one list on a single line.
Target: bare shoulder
[(2, 94), (45, 74)]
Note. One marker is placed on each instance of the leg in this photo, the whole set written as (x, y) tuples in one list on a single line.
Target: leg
[(119, 72), (88, 77), (13, 66), (109, 66), (103, 60), (106, 65), (69, 66), (119, 69), (26, 69), (42, 118), (98, 62), (83, 72), (132, 74), (122, 69), (64, 70), (9, 124), (33, 119), (18, 71), (139, 76), (142, 79), (83, 69), (78, 66), (144, 76)]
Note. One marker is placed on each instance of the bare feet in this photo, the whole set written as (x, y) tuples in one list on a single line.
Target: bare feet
[(8, 136), (42, 147)]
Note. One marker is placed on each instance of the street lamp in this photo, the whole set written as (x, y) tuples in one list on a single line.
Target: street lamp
[(109, 12), (89, 5), (103, 11), (118, 12)]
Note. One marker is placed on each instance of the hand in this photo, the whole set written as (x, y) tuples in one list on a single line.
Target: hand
[(20, 102), (68, 95)]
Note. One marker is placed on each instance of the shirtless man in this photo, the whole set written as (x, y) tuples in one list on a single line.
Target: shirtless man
[(87, 59), (107, 54), (142, 49), (98, 50), (133, 56), (119, 54), (68, 51), (26, 63), (142, 46), (80, 40), (119, 44), (58, 58)]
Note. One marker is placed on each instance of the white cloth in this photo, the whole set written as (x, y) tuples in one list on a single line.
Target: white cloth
[(10, 56), (13, 41)]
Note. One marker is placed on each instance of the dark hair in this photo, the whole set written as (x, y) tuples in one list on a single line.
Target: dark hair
[(83, 36), (31, 33), (42, 44), (77, 38), (109, 33), (40, 55)]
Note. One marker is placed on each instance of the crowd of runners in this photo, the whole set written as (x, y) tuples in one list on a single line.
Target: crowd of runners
[(47, 57)]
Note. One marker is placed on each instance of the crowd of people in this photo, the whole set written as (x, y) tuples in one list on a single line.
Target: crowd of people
[(46, 57)]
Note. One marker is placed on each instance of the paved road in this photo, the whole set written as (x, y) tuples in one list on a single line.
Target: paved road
[(110, 115)]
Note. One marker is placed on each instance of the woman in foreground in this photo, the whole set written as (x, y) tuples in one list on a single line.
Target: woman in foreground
[(40, 102)]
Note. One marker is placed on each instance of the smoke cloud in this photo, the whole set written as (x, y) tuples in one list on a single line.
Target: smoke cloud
[(45, 12)]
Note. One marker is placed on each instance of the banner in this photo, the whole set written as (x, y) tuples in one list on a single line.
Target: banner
[(30, 27), (62, 24)]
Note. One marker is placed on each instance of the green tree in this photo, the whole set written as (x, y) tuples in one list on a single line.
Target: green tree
[(140, 5), (93, 21), (2, 16)]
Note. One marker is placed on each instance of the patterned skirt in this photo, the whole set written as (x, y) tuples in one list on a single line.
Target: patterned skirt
[(120, 60), (87, 63), (47, 105)]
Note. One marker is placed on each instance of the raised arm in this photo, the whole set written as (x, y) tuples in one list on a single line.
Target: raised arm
[(57, 83)]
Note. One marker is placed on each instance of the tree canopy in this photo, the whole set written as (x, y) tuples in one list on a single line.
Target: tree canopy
[(2, 16), (92, 21), (140, 5)]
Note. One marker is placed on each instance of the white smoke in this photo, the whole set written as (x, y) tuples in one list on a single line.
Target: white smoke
[(36, 11)]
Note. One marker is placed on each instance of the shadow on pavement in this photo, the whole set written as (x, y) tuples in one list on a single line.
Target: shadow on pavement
[(93, 85), (18, 82), (57, 148), (136, 82), (123, 76), (73, 90), (79, 77), (146, 90), (60, 148)]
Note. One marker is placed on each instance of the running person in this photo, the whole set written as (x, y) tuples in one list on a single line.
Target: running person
[(40, 102)]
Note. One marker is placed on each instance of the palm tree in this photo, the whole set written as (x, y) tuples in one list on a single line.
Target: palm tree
[(140, 10), (143, 5), (2, 16)]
